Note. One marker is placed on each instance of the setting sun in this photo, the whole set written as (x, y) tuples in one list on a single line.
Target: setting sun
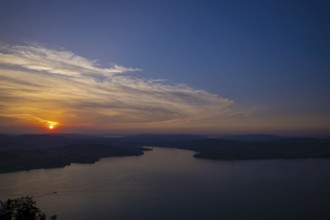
[(51, 124)]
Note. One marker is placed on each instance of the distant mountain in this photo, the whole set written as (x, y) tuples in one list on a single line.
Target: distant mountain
[(42, 141), (161, 138), (6, 141), (252, 137), (77, 136)]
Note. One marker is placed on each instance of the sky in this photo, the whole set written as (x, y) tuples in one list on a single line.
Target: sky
[(204, 67)]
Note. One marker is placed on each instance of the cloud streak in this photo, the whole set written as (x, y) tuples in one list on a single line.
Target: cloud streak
[(55, 61), (44, 84)]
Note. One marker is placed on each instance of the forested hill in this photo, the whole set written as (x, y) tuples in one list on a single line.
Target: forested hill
[(25, 152)]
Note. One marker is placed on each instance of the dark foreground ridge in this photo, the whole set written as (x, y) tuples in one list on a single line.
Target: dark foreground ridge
[(26, 152)]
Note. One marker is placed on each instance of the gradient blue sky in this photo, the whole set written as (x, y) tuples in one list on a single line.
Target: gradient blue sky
[(271, 58)]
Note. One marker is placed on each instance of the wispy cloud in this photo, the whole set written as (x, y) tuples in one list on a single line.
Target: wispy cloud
[(37, 58), (56, 85)]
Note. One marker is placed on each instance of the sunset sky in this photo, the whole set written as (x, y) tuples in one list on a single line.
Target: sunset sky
[(206, 67)]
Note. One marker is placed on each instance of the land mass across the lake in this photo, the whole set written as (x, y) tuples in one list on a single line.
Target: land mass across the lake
[(26, 152)]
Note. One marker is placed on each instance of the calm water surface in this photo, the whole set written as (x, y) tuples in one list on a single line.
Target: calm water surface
[(171, 184)]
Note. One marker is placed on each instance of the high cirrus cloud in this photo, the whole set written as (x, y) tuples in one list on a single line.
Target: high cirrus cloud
[(54, 61), (37, 82)]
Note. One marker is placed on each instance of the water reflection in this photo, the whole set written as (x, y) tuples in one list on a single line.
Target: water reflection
[(171, 184)]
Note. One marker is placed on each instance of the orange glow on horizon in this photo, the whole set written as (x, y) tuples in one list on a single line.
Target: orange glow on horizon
[(51, 124)]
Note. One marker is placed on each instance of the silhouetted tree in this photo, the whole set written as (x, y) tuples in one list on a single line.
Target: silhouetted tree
[(25, 208)]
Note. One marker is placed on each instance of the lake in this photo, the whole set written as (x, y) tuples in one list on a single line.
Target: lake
[(172, 184)]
